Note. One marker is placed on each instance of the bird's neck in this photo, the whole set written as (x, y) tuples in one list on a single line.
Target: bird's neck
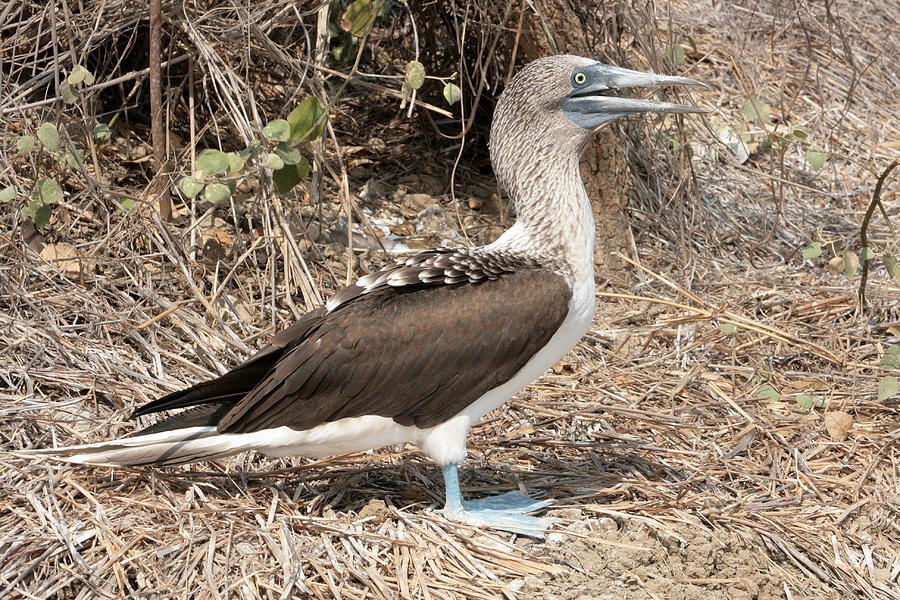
[(554, 220)]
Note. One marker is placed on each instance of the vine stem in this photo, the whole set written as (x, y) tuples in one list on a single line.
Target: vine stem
[(863, 230)]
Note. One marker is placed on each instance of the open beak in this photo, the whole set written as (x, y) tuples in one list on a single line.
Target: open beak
[(590, 104)]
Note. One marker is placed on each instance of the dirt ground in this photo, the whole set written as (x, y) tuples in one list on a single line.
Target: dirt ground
[(636, 558)]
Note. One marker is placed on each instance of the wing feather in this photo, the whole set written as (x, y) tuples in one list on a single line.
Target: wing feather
[(413, 355)]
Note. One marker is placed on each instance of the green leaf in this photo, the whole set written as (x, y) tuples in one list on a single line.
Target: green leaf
[(48, 191), (216, 193), (24, 145), (71, 160), (452, 93), (290, 175), (851, 263), (887, 387), (814, 250), (343, 51), (891, 358), (235, 162), (77, 75), (190, 185), (287, 153), (48, 135), (890, 263), (816, 158), (126, 204), (8, 193), (274, 162), (866, 253), (415, 74), (39, 213), (767, 392), (358, 18), (212, 162), (755, 110), (278, 130), (69, 93), (727, 328), (303, 120), (807, 401), (675, 53), (800, 133), (251, 151), (102, 132)]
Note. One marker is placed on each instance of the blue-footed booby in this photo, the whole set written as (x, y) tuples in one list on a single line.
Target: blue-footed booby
[(419, 351)]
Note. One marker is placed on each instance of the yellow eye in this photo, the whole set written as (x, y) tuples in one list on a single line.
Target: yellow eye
[(580, 78)]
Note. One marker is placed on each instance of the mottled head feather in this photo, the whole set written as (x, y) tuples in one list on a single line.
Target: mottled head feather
[(528, 121)]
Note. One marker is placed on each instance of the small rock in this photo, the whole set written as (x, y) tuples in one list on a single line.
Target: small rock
[(375, 508), (418, 202), (836, 265), (733, 141), (838, 424), (570, 514)]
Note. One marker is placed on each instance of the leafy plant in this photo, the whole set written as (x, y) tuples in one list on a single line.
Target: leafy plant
[(775, 141), (216, 172), (55, 160), (844, 261), (71, 86), (47, 190)]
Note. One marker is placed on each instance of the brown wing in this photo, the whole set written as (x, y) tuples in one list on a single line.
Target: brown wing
[(418, 355)]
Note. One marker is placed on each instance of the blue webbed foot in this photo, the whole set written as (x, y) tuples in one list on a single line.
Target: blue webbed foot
[(505, 511)]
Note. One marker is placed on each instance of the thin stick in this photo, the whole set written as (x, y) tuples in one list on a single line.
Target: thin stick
[(156, 114)]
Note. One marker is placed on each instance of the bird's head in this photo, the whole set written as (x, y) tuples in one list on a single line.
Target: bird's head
[(554, 104)]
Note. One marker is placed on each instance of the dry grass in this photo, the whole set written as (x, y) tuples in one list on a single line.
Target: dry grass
[(653, 420)]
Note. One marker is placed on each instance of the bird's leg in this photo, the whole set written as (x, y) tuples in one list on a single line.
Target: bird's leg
[(506, 511)]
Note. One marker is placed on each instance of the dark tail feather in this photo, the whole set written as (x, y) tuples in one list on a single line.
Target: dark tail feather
[(227, 389), (207, 415)]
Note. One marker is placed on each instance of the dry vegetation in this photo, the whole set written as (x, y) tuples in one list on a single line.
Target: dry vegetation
[(673, 477)]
